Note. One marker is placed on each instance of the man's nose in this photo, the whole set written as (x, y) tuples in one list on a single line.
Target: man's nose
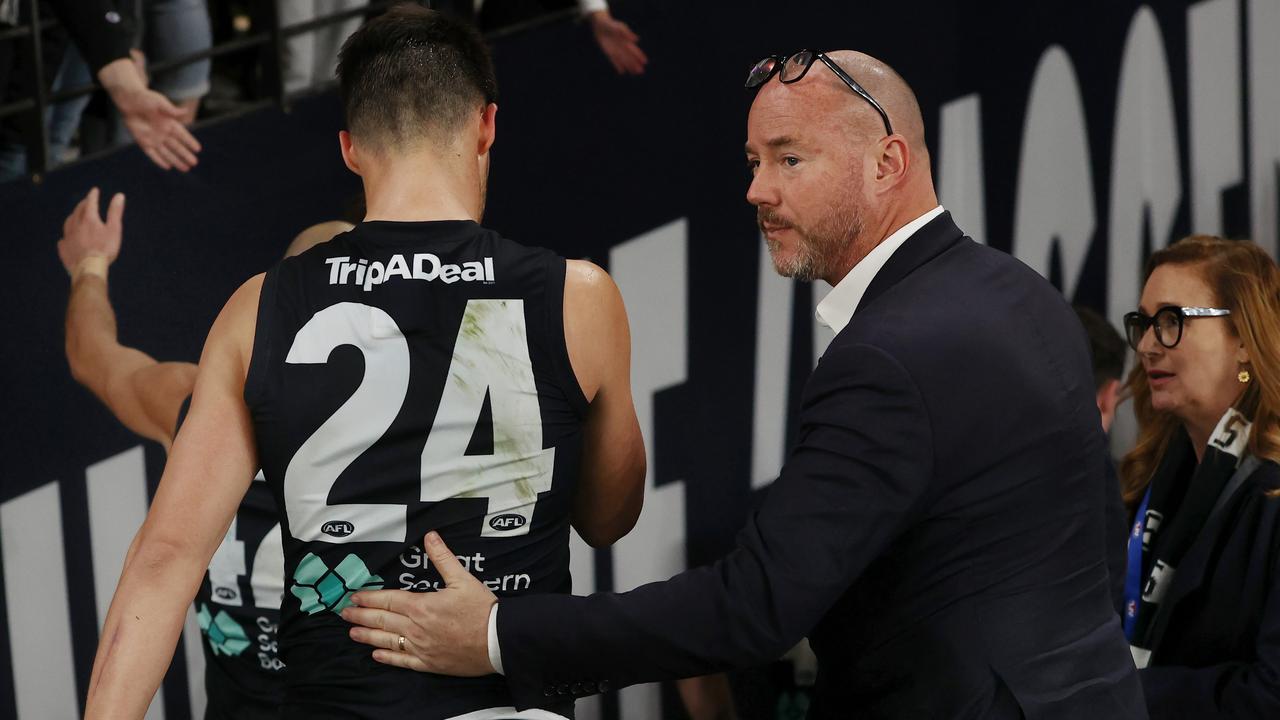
[(762, 190)]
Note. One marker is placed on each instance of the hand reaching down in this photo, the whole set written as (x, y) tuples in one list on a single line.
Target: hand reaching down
[(154, 122), (619, 43)]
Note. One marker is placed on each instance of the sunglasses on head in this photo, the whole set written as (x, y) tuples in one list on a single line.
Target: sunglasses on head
[(791, 68)]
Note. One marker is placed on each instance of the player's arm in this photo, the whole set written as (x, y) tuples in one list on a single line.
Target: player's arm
[(210, 467), (611, 488), (145, 395)]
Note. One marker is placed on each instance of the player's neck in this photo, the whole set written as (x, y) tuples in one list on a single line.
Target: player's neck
[(418, 188)]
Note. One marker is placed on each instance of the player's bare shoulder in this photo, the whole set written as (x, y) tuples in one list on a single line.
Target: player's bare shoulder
[(232, 333), (595, 324), (589, 289)]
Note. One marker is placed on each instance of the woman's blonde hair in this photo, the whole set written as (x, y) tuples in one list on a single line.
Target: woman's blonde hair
[(1247, 281)]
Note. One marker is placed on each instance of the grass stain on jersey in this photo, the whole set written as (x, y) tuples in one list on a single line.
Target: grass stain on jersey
[(318, 588)]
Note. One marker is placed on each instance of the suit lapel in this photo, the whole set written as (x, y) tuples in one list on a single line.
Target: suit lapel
[(936, 237)]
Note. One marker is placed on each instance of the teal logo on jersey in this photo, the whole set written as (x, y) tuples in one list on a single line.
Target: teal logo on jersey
[(318, 588), (224, 634)]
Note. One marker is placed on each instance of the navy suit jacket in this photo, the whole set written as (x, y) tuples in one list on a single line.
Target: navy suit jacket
[(937, 531)]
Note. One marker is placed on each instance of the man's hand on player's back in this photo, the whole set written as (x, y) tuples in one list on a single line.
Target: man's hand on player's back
[(398, 621), (611, 488)]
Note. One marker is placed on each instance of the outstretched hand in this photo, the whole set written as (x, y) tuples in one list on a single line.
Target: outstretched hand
[(619, 43), (444, 632), (84, 234), (153, 121), (156, 125)]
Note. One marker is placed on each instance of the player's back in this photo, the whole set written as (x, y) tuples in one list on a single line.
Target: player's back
[(409, 377)]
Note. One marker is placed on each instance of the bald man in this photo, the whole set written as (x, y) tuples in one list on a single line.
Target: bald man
[(935, 531), (238, 604)]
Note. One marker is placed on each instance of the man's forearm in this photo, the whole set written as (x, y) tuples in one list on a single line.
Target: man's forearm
[(91, 328)]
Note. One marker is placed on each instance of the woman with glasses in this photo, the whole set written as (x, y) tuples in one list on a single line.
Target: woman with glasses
[(1202, 590)]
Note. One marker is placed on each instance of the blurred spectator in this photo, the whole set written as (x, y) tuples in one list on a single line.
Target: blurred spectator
[(1108, 350), (104, 35), (167, 30)]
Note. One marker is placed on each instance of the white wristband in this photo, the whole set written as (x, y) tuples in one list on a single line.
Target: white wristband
[(495, 651), (91, 265)]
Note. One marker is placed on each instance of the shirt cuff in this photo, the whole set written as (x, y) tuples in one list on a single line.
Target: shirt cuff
[(495, 651), (590, 6)]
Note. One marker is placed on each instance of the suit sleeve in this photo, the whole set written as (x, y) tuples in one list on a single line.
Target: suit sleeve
[(1117, 533), (857, 475), (1229, 690)]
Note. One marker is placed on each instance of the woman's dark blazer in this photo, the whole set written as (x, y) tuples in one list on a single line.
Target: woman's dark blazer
[(1217, 650)]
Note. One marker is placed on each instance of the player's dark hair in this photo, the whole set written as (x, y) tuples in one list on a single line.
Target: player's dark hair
[(1105, 344), (412, 73)]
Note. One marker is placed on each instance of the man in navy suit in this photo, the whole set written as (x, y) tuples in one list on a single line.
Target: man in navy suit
[(937, 531)]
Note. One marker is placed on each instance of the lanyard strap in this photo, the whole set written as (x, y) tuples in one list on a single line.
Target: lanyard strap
[(1133, 573)]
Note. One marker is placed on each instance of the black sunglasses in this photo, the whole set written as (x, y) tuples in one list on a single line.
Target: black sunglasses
[(1167, 321), (791, 69)]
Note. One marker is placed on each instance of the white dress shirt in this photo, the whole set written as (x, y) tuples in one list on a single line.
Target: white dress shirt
[(836, 309)]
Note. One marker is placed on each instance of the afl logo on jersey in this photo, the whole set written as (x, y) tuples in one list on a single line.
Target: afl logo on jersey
[(507, 522), (337, 528), (225, 593)]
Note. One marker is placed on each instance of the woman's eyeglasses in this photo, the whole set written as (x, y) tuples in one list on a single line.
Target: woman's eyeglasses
[(790, 69), (1167, 323)]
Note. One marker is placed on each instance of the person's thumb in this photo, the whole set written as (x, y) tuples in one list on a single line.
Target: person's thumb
[(169, 108), (444, 561)]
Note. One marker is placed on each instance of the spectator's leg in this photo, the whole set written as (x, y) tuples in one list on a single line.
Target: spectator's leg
[(298, 56), (329, 39), (176, 28), (64, 117), (13, 161)]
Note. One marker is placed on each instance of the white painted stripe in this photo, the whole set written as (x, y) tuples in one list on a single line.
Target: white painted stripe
[(39, 615), (117, 491), (960, 168), (773, 355), (652, 273), (267, 581), (194, 653)]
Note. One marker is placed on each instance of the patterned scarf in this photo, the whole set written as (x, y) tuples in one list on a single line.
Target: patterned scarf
[(1179, 501)]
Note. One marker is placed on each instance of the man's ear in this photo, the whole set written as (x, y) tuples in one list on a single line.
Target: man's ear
[(349, 153), (893, 163), (488, 128)]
